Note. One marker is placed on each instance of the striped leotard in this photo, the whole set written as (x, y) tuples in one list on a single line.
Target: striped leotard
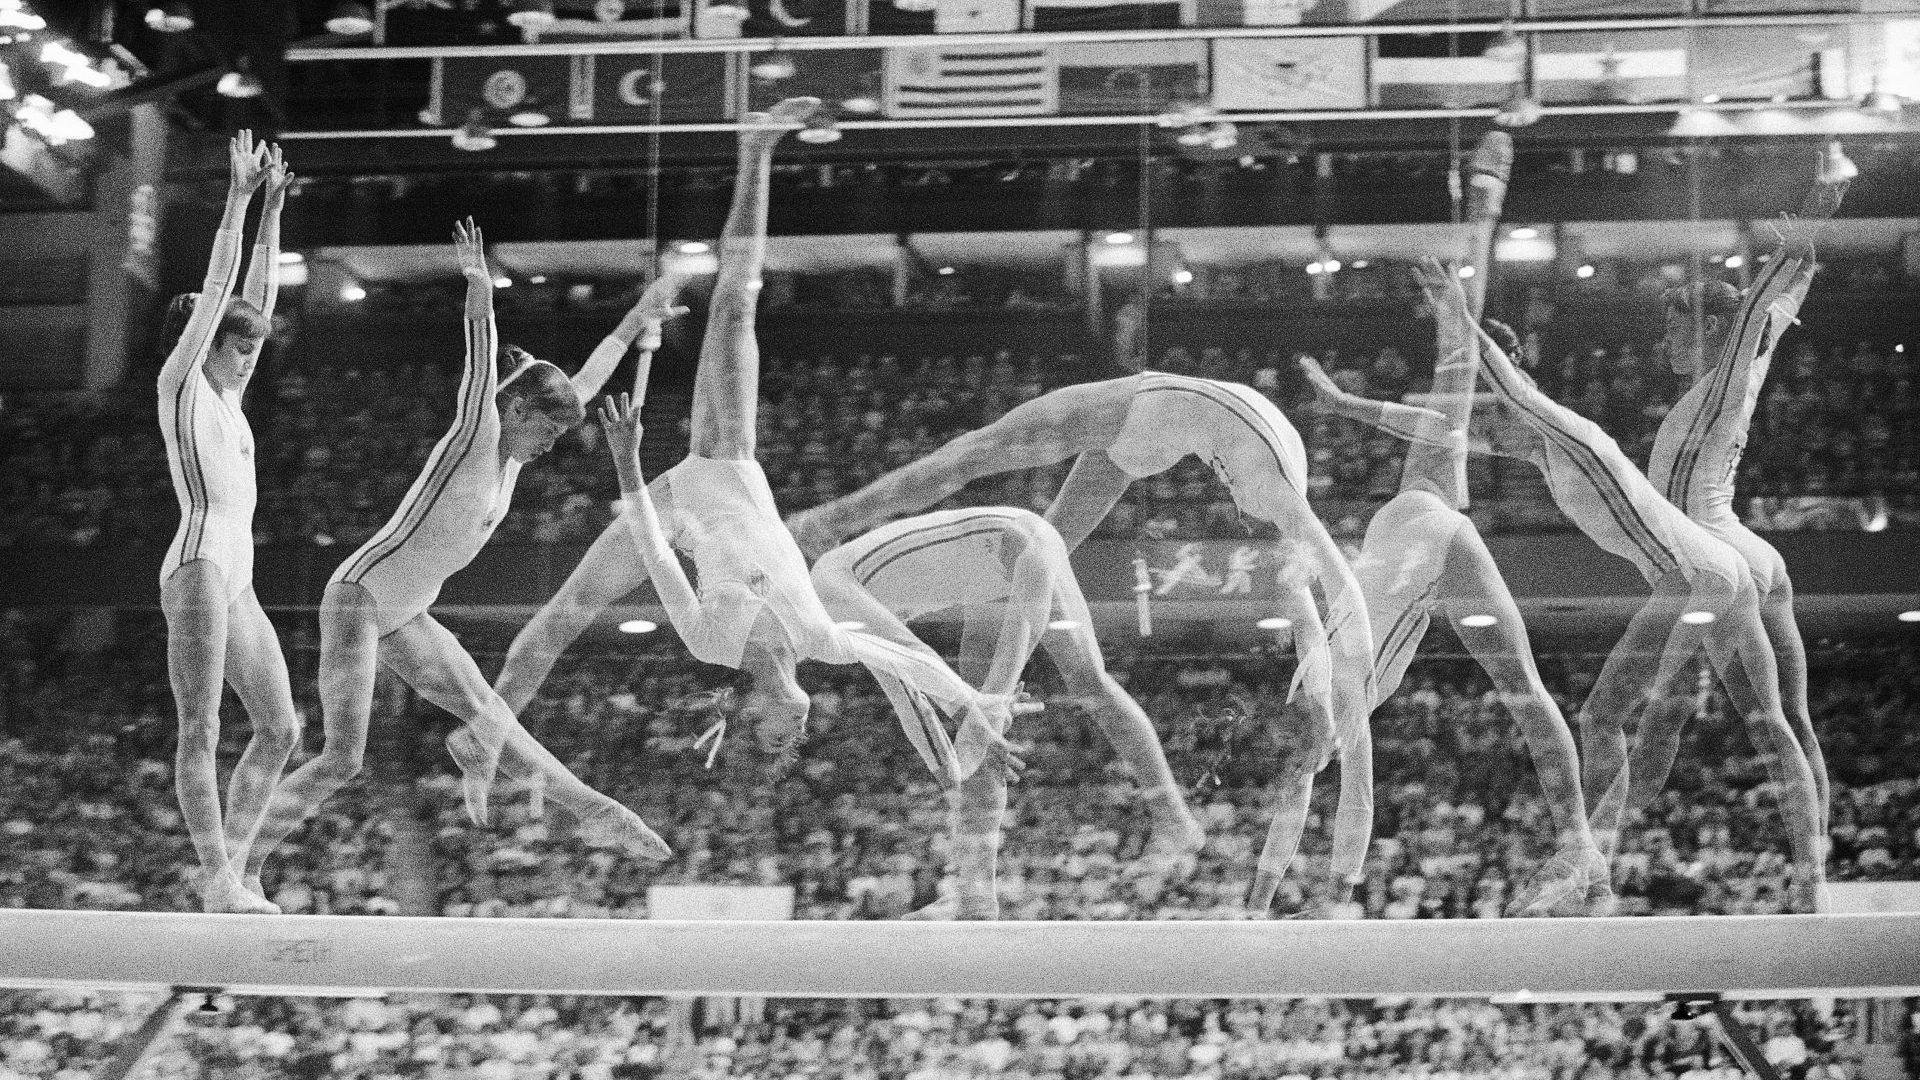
[(1247, 442), (1697, 450), (1595, 484), (209, 443), (453, 506)]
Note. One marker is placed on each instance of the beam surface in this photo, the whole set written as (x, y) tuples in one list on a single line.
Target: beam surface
[(1751, 957)]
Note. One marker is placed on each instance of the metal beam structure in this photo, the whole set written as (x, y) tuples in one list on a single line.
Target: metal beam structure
[(1622, 959)]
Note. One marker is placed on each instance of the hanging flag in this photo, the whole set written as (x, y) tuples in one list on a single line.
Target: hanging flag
[(501, 88), (943, 16), (1117, 77), (693, 87), (614, 20), (971, 80), (1289, 73), (1754, 63), (1109, 15), (1442, 82), (847, 80), (1606, 67), (1252, 12)]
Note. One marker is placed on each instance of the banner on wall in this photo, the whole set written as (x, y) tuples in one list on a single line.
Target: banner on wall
[(1632, 67), (693, 88), (1290, 73), (1118, 77), (1445, 82), (501, 87), (846, 79), (1109, 14), (971, 81), (943, 17)]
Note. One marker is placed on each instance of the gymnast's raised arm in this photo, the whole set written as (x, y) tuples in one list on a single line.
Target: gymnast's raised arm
[(711, 623), (1413, 423), (641, 327), (247, 164)]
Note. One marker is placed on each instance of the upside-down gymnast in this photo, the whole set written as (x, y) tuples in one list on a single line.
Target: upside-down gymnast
[(755, 608), (1422, 554), (217, 633), (1704, 596), (1007, 570), (1724, 341), (1125, 429), (375, 608)]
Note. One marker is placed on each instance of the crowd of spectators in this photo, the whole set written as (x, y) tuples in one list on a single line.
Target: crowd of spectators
[(529, 1037), (857, 828), (1836, 443)]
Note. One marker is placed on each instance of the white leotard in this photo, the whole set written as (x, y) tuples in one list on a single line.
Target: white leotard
[(209, 443), (1243, 437), (453, 506)]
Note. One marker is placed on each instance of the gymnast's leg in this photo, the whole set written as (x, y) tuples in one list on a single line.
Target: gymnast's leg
[(431, 660), (258, 672), (1087, 497), (1050, 428), (1471, 585), (610, 570), (1783, 633), (349, 659)]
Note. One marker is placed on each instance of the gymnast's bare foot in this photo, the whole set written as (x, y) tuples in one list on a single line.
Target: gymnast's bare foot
[(617, 826)]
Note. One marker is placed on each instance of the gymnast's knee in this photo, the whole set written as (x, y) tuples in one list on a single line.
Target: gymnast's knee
[(339, 761)]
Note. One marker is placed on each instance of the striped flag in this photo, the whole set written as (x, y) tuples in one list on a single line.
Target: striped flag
[(1109, 14), (1130, 76), (1611, 67), (1429, 82), (1290, 73), (971, 80)]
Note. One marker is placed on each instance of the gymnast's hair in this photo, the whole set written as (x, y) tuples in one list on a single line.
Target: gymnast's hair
[(541, 386), (1509, 342), (240, 317), (1713, 297)]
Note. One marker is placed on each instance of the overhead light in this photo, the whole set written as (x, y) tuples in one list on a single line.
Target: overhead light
[(1183, 276), (1476, 622), (1119, 238), (1063, 624), (1193, 136), (1525, 232), (173, 17), (944, 271), (1273, 623), (772, 66), (475, 135), (350, 18), (69, 127), (1222, 136), (1584, 271), (1315, 268), (529, 118), (1331, 266), (532, 14), (1709, 99), (1908, 616), (850, 624), (1466, 271), (16, 17), (1697, 618), (353, 292), (1187, 114), (1509, 46), (1360, 264), (638, 626), (1733, 262), (536, 279), (694, 247), (290, 258), (240, 82), (861, 103), (503, 282), (818, 130)]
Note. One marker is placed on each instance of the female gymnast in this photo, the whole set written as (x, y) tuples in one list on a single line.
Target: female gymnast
[(217, 633), (375, 609), (1007, 570)]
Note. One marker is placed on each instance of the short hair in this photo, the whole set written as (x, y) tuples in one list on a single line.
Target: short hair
[(1710, 297), (242, 318), (1503, 336), (540, 386)]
